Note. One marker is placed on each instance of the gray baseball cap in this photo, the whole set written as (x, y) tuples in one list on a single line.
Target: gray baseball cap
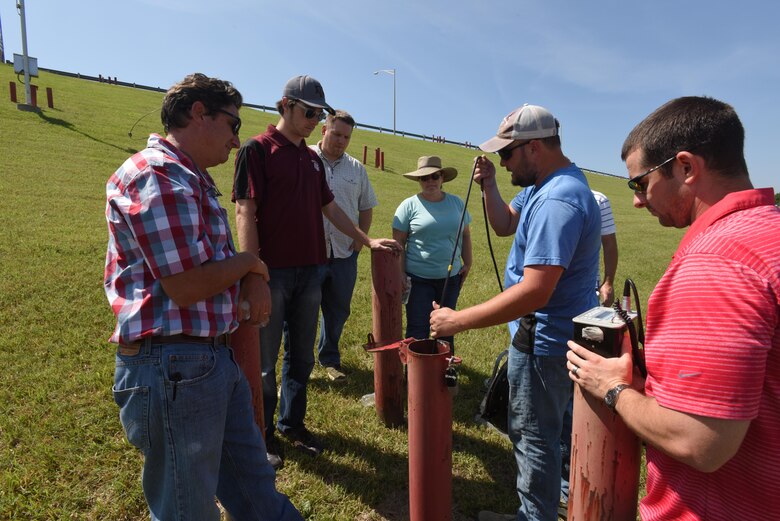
[(526, 122), (308, 90)]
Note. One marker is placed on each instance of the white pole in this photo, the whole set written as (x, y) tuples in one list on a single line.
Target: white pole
[(392, 73), (20, 8)]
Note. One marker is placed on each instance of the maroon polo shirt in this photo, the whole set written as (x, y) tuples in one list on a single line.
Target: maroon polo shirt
[(288, 184)]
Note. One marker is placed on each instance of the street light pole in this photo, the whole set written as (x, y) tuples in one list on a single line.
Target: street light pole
[(25, 58), (391, 72)]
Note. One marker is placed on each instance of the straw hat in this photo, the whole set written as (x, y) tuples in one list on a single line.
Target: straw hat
[(428, 165)]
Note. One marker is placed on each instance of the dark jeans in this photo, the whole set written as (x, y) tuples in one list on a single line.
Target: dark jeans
[(419, 306), (295, 297), (337, 284)]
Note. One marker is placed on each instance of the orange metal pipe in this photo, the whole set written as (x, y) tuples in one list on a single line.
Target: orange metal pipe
[(365, 153), (605, 460), (376, 157), (245, 342), (50, 97), (430, 431), (386, 312), (12, 86)]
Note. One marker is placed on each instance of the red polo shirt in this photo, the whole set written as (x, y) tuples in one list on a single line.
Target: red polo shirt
[(288, 184), (713, 349)]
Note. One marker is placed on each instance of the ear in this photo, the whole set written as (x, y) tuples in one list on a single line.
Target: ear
[(323, 129), (691, 167)]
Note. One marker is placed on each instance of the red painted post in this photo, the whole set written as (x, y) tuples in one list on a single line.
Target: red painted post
[(386, 312), (50, 97), (605, 460), (245, 342), (12, 87), (382, 161), (365, 153), (33, 95), (430, 431), (376, 158)]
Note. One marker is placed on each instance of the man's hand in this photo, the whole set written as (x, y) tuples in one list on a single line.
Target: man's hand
[(254, 299), (485, 172), (444, 322), (596, 374), (606, 294), (385, 245)]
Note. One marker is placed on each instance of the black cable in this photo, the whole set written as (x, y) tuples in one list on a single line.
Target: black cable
[(490, 243), (458, 234), (637, 354)]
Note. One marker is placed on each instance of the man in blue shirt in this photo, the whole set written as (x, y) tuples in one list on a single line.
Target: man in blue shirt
[(549, 280)]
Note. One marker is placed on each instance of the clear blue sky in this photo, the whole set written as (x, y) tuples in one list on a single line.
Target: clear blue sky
[(600, 67)]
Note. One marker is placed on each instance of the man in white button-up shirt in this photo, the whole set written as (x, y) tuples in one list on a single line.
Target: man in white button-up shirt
[(349, 183)]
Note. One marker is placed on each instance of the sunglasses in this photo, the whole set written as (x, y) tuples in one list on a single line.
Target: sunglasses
[(435, 176), (506, 153), (311, 112), (236, 126), (634, 185)]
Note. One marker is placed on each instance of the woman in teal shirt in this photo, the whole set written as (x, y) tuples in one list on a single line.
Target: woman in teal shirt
[(426, 226)]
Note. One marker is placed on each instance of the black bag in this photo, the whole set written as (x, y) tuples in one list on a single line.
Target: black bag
[(493, 410)]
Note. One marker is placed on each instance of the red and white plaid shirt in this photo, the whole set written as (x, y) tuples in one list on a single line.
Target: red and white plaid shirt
[(164, 218)]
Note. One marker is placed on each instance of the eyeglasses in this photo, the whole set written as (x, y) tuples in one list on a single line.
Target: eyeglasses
[(236, 126), (311, 112), (435, 176), (506, 153), (641, 189)]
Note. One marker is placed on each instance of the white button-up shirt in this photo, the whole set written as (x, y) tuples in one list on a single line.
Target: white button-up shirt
[(349, 183)]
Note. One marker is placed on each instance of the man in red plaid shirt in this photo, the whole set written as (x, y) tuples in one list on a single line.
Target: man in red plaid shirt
[(172, 278)]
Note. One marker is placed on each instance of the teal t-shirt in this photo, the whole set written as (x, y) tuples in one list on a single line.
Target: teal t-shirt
[(431, 228)]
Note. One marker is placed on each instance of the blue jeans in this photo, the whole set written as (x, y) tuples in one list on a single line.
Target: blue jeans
[(295, 297), (419, 307), (338, 282), (539, 393), (197, 434)]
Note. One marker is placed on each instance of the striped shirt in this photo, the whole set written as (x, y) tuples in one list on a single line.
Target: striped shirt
[(607, 219), (353, 192), (163, 218), (713, 349)]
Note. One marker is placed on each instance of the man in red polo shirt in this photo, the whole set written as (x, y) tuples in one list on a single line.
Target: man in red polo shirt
[(710, 407), (281, 194)]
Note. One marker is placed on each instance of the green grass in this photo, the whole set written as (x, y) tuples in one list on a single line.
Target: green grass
[(63, 453)]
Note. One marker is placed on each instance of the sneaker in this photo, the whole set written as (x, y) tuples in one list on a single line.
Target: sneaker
[(335, 374), (274, 452), (304, 441), (486, 515)]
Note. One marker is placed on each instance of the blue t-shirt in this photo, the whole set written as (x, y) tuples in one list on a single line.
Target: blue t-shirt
[(431, 228), (560, 225)]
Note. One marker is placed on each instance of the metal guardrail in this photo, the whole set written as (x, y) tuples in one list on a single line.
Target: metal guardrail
[(266, 108)]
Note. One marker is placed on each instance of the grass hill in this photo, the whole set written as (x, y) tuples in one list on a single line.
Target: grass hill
[(62, 449)]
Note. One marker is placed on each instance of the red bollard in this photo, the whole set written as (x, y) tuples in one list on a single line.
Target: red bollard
[(430, 429), (382, 161), (376, 158), (33, 95), (605, 460), (386, 311), (50, 97), (365, 153), (12, 87), (245, 342)]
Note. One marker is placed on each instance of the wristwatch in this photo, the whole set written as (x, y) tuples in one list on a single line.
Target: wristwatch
[(610, 399)]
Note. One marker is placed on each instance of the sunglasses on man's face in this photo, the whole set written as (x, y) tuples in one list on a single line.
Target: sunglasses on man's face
[(311, 112), (236, 125), (506, 153), (435, 176)]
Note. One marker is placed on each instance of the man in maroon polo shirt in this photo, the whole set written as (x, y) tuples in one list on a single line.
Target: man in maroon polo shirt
[(281, 194)]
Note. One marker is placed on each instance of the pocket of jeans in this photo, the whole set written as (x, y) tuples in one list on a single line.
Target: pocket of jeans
[(134, 414), (186, 368)]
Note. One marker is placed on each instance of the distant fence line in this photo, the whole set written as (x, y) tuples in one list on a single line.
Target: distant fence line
[(266, 108)]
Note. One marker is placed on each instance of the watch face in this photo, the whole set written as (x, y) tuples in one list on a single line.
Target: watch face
[(610, 399)]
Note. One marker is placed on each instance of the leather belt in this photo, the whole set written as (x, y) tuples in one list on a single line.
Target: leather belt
[(135, 348)]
